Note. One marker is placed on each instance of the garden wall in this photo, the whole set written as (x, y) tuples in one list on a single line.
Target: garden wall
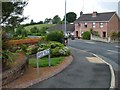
[(14, 72), (104, 39)]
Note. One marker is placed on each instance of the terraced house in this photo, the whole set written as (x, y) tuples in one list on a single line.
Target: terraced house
[(104, 23)]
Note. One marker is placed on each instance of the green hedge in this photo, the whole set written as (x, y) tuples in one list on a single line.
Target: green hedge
[(86, 35), (55, 36)]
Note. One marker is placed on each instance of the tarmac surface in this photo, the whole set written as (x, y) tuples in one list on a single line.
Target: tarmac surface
[(86, 71)]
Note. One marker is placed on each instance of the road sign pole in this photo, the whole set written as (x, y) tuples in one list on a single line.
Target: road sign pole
[(37, 67), (49, 60)]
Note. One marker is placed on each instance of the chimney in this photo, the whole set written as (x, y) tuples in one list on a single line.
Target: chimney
[(81, 13), (94, 14)]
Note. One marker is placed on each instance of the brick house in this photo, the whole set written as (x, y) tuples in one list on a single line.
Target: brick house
[(104, 23)]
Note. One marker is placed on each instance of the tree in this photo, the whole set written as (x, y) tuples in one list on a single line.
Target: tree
[(71, 17), (47, 20), (12, 13), (56, 19), (32, 22), (40, 22)]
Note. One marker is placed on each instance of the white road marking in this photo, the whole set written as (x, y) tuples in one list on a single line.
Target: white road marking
[(117, 46), (90, 42), (113, 51)]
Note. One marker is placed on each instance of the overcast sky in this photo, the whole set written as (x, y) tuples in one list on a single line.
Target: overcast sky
[(38, 10)]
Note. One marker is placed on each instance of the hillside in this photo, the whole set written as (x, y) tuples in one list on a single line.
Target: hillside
[(39, 26)]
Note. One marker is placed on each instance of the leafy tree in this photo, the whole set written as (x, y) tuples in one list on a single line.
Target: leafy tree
[(32, 22), (40, 22), (21, 31), (47, 20), (71, 17), (56, 19), (12, 13)]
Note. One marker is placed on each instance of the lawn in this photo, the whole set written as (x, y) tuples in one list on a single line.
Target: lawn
[(43, 62), (39, 26)]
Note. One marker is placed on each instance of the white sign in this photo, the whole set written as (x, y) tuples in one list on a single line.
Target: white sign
[(43, 53)]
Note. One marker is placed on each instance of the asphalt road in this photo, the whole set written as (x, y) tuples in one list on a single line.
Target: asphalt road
[(80, 74), (107, 51)]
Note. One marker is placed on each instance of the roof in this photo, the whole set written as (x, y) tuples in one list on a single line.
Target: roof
[(69, 27), (100, 17)]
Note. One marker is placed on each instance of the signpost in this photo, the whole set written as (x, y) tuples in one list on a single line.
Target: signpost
[(42, 54)]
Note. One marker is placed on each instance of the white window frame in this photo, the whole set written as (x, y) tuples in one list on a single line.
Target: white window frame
[(101, 25), (93, 24), (85, 24)]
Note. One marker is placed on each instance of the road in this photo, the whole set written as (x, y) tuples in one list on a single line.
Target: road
[(107, 51), (82, 73)]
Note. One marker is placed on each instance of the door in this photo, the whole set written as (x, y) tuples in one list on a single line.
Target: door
[(104, 34), (76, 33)]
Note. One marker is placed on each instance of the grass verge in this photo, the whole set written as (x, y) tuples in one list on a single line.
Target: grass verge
[(43, 62)]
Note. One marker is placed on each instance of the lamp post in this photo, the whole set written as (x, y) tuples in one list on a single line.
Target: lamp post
[(65, 20)]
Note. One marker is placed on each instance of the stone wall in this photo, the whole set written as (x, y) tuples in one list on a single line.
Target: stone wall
[(14, 72)]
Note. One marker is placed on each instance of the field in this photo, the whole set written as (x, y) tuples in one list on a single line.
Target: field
[(39, 26)]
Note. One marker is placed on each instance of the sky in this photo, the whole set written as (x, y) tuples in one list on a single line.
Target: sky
[(38, 10)]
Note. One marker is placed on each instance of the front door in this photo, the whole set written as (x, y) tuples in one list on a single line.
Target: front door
[(76, 33), (104, 34)]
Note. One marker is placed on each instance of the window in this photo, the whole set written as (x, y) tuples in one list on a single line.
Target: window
[(85, 24), (101, 25), (93, 24)]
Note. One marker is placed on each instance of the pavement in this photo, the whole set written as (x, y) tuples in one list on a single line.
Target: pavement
[(86, 71)]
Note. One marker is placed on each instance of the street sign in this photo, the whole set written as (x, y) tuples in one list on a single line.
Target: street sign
[(42, 54)]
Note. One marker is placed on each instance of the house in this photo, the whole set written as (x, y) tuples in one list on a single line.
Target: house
[(103, 23)]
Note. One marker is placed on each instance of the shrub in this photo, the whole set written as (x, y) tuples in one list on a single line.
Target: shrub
[(34, 30), (55, 36), (86, 35), (56, 49), (32, 50)]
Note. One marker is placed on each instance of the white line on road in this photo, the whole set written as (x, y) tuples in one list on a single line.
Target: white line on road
[(90, 42), (117, 46), (113, 51)]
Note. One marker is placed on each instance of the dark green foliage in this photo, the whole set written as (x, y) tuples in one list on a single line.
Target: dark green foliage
[(56, 19), (71, 17), (55, 36), (12, 12), (56, 49), (34, 30), (43, 31), (118, 34), (86, 35)]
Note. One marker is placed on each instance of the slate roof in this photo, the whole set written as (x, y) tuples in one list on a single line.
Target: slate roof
[(100, 17), (69, 27)]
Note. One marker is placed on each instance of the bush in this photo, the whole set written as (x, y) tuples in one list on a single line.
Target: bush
[(34, 30), (55, 36), (86, 35), (32, 50), (56, 49)]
